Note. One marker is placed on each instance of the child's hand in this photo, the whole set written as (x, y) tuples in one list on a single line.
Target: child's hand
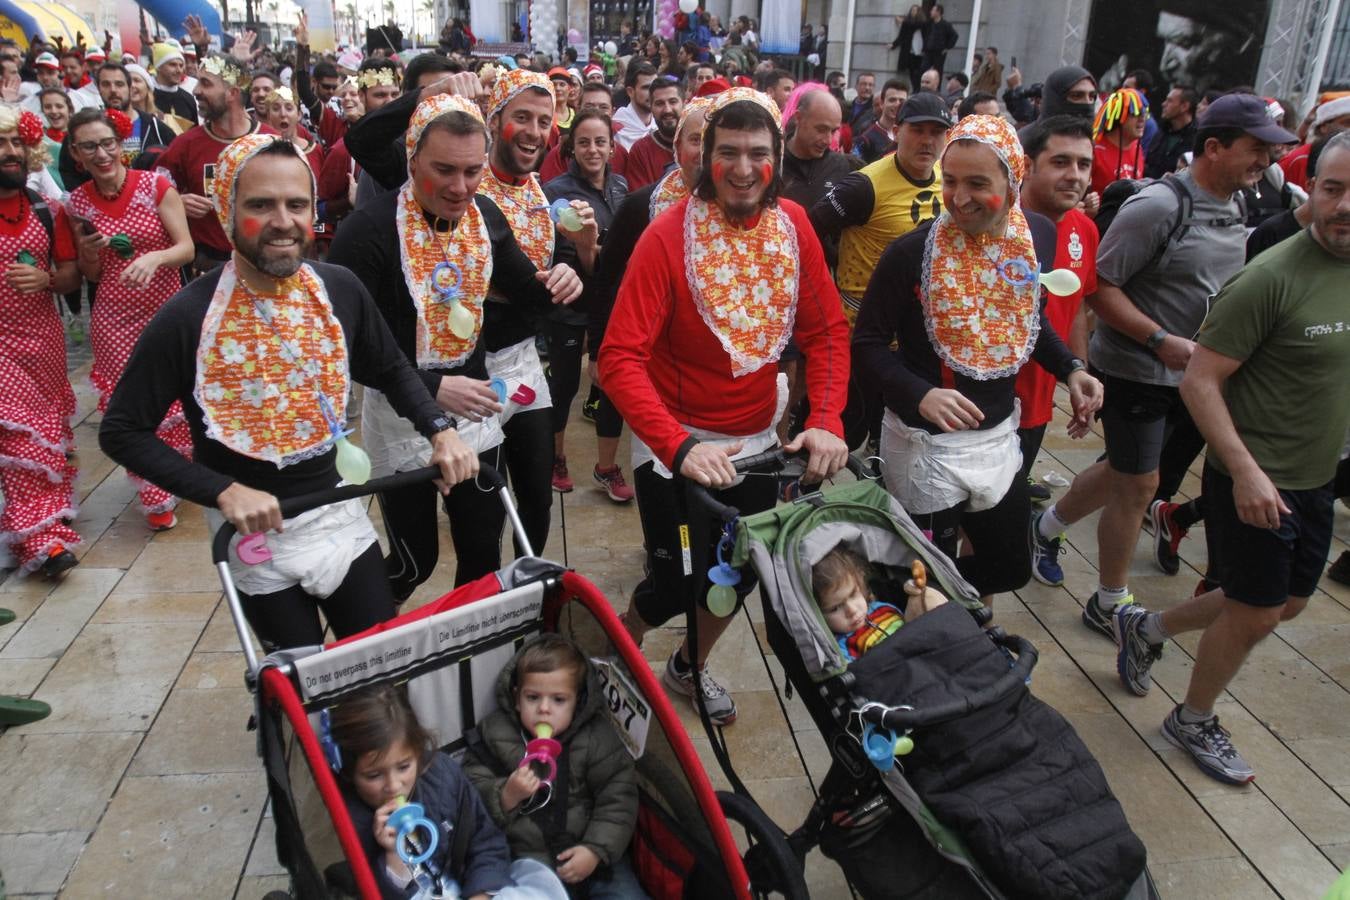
[(518, 788), (921, 600), (577, 864), (385, 835)]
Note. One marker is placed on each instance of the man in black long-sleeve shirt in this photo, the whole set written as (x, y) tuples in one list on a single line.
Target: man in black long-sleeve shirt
[(261, 353), (447, 160), (960, 298)]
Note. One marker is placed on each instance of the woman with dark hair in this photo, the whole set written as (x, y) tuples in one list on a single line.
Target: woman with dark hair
[(587, 148)]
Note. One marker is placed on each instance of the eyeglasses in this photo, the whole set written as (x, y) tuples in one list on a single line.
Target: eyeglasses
[(108, 145)]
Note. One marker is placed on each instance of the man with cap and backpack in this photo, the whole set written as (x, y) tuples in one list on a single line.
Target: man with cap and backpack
[(1165, 255)]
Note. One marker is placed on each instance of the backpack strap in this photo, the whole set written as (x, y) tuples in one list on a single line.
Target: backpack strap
[(44, 214)]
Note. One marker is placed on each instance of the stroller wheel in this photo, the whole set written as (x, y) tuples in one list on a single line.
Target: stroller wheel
[(773, 867)]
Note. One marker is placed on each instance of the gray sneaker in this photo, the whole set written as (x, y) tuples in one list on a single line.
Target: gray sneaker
[(721, 708), (1098, 617), (1134, 655), (1210, 745)]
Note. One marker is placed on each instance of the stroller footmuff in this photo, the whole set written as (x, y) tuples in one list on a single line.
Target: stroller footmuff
[(1013, 778)]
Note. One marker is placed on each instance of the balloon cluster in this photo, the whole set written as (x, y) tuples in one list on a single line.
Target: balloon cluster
[(665, 18), (544, 26)]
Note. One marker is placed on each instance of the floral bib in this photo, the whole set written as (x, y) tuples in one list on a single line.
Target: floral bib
[(526, 211), (980, 297), (440, 270), (670, 190), (272, 374), (743, 280)]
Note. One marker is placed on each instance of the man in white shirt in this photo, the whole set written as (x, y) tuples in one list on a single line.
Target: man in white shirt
[(635, 119)]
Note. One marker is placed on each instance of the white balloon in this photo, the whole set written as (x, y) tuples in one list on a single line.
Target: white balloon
[(688, 6), (611, 48)]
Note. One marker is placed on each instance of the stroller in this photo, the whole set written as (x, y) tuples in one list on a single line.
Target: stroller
[(449, 653), (992, 794)]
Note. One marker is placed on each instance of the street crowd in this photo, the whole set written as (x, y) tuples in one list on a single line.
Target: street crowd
[(739, 259)]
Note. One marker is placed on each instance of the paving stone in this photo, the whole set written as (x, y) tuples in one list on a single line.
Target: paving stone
[(20, 677), (115, 677), (1285, 857), (173, 568), (1232, 878), (73, 774), (38, 862), (175, 744), (51, 628), (254, 887), (184, 833), (124, 607)]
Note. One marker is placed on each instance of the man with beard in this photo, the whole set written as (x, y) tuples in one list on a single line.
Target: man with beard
[(867, 210), (394, 245), (696, 377), (635, 119), (141, 149), (262, 354), (1272, 335), (36, 478), (170, 95), (650, 156), (959, 298), (1059, 169), (190, 161)]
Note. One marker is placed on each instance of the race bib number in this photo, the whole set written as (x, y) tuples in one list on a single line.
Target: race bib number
[(627, 708)]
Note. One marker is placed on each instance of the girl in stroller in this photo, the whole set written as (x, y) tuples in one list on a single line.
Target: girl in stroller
[(858, 620), (385, 758)]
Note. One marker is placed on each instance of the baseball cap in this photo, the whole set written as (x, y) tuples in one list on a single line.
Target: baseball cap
[(95, 54), (559, 72), (47, 61), (1247, 112), (925, 106)]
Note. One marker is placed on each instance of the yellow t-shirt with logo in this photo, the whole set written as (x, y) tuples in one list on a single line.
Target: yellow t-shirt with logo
[(874, 206)]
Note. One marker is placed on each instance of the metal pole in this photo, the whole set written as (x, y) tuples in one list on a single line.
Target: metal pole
[(1323, 50), (848, 43), (974, 33)]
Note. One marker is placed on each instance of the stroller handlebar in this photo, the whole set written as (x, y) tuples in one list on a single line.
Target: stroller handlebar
[(900, 719), (768, 460)]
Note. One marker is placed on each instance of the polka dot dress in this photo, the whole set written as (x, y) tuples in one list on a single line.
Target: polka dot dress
[(122, 310), (36, 403)]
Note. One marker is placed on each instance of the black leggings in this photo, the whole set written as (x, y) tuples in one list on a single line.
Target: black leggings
[(664, 592), (1183, 444), (528, 454), (290, 618), (566, 343), (1030, 439), (476, 519), (1002, 558)]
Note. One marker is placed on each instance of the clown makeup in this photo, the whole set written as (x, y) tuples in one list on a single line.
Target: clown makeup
[(740, 162), (975, 188), (446, 172), (522, 132), (275, 192)]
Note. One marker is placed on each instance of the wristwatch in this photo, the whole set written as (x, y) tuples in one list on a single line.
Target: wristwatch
[(441, 423), (1155, 340), (1075, 365)]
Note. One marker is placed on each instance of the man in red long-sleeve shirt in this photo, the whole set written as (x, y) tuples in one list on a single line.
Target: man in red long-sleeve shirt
[(654, 152), (714, 289)]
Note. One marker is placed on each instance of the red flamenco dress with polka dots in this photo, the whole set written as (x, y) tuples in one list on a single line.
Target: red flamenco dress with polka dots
[(121, 310), (36, 401)]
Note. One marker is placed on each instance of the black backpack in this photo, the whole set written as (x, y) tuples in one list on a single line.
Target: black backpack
[(1117, 192)]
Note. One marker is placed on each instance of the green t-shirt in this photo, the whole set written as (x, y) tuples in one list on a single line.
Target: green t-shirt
[(1286, 316)]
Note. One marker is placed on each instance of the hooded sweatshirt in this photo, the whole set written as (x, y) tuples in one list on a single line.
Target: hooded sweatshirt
[(595, 798), (1053, 96)]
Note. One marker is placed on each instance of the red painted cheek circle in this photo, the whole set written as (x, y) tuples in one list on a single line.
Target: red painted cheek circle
[(508, 131), (766, 170), (719, 170), (251, 227), (995, 203), (427, 186)]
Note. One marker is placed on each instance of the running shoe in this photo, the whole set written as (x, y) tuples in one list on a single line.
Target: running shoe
[(1210, 745), (721, 708), (1045, 553), (1135, 656), (562, 482), (59, 561), (1167, 536), (611, 482), (1339, 571), (1038, 492), (161, 521), (1099, 618), (590, 408)]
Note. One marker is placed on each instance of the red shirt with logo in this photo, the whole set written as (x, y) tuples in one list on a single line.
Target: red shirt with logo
[(1075, 250)]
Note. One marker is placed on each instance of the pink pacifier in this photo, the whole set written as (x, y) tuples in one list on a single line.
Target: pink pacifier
[(544, 750), (252, 549), (524, 395)]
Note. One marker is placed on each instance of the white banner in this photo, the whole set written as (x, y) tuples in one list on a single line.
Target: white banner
[(487, 21), (780, 28)]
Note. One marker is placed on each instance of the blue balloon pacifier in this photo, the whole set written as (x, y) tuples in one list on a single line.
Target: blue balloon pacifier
[(722, 594), (407, 821), (446, 279), (1018, 272), (499, 388), (882, 746)]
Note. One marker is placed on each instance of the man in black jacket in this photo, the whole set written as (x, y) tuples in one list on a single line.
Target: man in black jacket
[(1176, 134), (939, 38)]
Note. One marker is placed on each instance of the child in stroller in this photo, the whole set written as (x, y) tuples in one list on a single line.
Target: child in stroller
[(582, 824), (860, 621), (385, 758)]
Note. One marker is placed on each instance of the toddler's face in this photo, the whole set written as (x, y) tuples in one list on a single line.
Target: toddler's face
[(380, 777), (844, 606), (549, 697)]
